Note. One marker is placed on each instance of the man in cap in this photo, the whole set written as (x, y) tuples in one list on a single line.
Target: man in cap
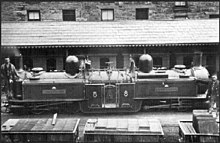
[(9, 75), (132, 65), (87, 65)]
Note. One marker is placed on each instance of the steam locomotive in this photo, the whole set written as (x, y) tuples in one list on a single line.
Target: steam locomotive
[(112, 90)]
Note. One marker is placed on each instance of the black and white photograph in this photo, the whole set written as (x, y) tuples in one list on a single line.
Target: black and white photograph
[(94, 71)]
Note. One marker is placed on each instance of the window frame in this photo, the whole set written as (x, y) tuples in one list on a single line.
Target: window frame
[(213, 16), (158, 59), (51, 64), (30, 11), (136, 13), (65, 10), (113, 17), (103, 60), (180, 5), (187, 61), (180, 11)]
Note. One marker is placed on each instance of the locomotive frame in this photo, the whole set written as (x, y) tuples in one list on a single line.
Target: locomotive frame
[(111, 90)]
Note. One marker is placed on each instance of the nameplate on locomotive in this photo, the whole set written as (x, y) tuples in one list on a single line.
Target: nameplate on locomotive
[(54, 91), (166, 89)]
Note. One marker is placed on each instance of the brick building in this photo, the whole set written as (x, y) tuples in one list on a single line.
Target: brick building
[(45, 32)]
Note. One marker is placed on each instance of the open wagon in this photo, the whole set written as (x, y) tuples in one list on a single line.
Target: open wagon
[(123, 130), (40, 130), (188, 134)]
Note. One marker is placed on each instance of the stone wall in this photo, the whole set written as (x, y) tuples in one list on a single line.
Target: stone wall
[(91, 11)]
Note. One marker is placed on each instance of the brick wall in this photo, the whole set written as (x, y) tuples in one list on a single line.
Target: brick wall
[(91, 11)]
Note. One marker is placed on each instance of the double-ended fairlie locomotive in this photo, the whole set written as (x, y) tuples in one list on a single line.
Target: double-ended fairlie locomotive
[(112, 90)]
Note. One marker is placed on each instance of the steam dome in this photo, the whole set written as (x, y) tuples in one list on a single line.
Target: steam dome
[(72, 65), (145, 63)]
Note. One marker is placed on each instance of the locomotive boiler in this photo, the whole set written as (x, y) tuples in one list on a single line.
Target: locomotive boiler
[(112, 90)]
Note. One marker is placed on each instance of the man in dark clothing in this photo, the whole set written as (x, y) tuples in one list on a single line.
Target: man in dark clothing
[(213, 94), (8, 75), (87, 65), (132, 66)]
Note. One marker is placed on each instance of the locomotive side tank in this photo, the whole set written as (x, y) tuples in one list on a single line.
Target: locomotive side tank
[(178, 86), (113, 90), (45, 90), (156, 84)]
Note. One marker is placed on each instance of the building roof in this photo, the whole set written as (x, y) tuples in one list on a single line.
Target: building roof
[(110, 33)]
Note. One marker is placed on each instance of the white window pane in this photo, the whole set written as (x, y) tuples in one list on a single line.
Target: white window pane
[(110, 15), (104, 15), (177, 3), (31, 15), (36, 15), (183, 3)]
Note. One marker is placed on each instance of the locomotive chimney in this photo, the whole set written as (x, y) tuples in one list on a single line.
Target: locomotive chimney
[(197, 59)]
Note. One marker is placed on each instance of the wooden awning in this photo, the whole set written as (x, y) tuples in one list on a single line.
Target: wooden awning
[(109, 34)]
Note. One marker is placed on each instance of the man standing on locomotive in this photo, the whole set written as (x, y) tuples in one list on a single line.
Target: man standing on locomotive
[(132, 66), (213, 94), (9, 75), (87, 65)]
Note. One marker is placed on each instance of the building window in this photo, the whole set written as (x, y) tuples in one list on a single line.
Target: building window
[(211, 63), (180, 10), (69, 15), (142, 13), (172, 60), (214, 16), (107, 14), (28, 63), (180, 3), (157, 62), (103, 63), (33, 15), (51, 64), (187, 61), (119, 61)]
